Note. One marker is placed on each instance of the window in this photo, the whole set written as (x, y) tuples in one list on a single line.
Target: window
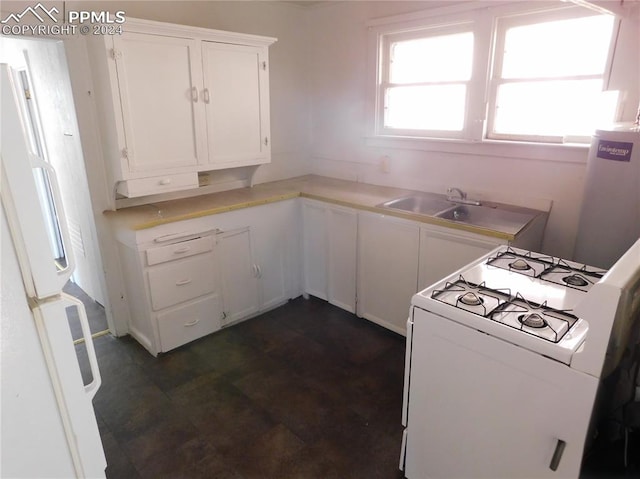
[(548, 76), (426, 81), (491, 75)]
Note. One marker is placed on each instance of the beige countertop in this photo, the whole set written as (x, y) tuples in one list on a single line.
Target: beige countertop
[(346, 193)]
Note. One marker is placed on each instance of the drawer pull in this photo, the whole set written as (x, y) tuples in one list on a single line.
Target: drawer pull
[(184, 249), (192, 323), (182, 282), (165, 181)]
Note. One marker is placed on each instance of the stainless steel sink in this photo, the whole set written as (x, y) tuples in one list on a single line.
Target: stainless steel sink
[(420, 204), (487, 217)]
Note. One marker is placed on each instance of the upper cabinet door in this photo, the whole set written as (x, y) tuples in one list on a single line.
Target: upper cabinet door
[(236, 97), (159, 78)]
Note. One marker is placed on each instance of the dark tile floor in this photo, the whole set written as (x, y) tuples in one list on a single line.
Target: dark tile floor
[(304, 391)]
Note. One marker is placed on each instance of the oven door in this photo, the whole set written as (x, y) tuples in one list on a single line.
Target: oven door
[(482, 407)]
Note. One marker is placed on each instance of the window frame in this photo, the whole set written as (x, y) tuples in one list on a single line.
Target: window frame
[(502, 24), (385, 84), (481, 91)]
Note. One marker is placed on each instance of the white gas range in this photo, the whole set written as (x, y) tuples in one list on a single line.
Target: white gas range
[(504, 359)]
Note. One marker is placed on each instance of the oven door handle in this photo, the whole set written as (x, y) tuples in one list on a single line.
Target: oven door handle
[(557, 455)]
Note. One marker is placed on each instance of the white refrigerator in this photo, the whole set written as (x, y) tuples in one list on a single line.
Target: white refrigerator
[(48, 425)]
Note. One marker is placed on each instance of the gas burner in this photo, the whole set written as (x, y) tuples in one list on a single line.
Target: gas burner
[(470, 299), (575, 280), (529, 264), (573, 275), (532, 320), (520, 265)]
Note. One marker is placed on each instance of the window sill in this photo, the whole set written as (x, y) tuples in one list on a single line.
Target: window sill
[(555, 152)]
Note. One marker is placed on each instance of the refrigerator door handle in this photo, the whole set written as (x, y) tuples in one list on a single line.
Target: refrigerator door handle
[(66, 272), (92, 388)]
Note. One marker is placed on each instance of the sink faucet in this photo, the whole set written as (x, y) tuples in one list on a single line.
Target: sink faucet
[(450, 191), (461, 197)]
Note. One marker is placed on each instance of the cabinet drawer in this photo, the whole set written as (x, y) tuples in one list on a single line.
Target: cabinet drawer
[(184, 249), (158, 184), (187, 323), (180, 281)]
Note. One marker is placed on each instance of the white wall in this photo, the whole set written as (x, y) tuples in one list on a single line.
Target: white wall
[(340, 80)]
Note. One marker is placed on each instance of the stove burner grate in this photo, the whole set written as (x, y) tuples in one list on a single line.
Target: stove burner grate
[(524, 263), (514, 311), (536, 319)]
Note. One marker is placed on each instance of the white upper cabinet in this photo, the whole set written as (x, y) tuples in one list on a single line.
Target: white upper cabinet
[(236, 100), (158, 79), (175, 100)]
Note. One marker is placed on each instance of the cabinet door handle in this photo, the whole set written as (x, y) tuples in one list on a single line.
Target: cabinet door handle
[(259, 271), (557, 455), (205, 94), (165, 181), (194, 94), (192, 323), (182, 282), (184, 249)]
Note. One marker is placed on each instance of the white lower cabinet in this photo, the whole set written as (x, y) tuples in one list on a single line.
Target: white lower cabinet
[(258, 256), (239, 275), (387, 269), (330, 258), (188, 279), (251, 260), (442, 252), (172, 291), (371, 264)]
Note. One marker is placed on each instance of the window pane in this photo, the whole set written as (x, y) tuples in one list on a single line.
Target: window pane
[(560, 48), (548, 108), (435, 107), (432, 59)]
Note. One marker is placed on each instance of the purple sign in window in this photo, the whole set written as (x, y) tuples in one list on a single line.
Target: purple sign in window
[(614, 150)]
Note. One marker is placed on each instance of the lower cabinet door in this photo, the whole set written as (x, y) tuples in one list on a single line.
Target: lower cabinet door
[(239, 275), (387, 269), (342, 251), (181, 325)]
